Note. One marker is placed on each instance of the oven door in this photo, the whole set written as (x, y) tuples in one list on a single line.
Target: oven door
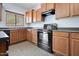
[(45, 38)]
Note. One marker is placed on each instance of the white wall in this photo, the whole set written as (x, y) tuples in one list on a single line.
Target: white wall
[(13, 8), (9, 7)]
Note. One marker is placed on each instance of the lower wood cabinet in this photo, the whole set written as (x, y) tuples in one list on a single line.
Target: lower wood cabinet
[(74, 44), (29, 35), (13, 36), (17, 35), (34, 36), (66, 43), (74, 47), (60, 43)]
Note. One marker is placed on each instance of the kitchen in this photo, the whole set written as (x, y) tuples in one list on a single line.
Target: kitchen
[(22, 21)]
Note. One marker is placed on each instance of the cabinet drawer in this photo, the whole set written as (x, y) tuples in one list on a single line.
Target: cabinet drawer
[(64, 34), (74, 35)]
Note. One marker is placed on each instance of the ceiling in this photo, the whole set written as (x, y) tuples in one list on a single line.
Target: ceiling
[(20, 7), (27, 5)]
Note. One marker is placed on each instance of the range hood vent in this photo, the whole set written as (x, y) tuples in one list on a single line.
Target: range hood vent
[(49, 12)]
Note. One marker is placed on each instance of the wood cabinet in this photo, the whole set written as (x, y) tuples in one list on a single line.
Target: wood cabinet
[(38, 15), (21, 35), (43, 7), (0, 11), (13, 36), (29, 35), (74, 44), (34, 36), (26, 17), (50, 6), (62, 10), (17, 35), (47, 6), (61, 43), (29, 16), (74, 9), (34, 16)]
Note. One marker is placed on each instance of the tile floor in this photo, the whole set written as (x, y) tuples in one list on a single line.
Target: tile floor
[(27, 49)]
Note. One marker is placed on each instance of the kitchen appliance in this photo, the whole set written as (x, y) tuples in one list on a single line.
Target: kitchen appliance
[(45, 37), (49, 12)]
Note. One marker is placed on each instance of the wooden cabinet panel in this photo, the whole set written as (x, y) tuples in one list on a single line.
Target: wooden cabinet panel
[(62, 34), (21, 35), (0, 11), (62, 10), (34, 16), (61, 45), (26, 17), (13, 36), (74, 47), (50, 6), (74, 9), (43, 7), (74, 35), (17, 35), (39, 16), (29, 35), (30, 16), (34, 36)]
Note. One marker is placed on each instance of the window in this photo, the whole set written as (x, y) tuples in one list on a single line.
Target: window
[(14, 19), (10, 19), (19, 20)]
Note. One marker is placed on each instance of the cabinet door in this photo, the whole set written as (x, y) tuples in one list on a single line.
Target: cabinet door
[(74, 47), (0, 11), (21, 35), (74, 9), (30, 16), (39, 16), (34, 16), (34, 36), (26, 17), (62, 10), (50, 6), (43, 7), (13, 36), (29, 35), (60, 45)]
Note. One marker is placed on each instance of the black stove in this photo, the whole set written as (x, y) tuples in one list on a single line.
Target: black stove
[(45, 37)]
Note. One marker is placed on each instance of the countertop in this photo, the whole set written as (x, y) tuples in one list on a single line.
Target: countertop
[(59, 29), (68, 29)]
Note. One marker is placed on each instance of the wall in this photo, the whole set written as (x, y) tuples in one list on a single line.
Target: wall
[(63, 22), (9, 7)]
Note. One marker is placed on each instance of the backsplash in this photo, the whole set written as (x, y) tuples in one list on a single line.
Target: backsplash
[(63, 22)]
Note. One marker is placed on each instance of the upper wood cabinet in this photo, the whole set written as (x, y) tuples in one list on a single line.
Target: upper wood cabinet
[(62, 10), (34, 16), (0, 11), (26, 17), (43, 7), (38, 15), (74, 9), (30, 16), (50, 6)]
